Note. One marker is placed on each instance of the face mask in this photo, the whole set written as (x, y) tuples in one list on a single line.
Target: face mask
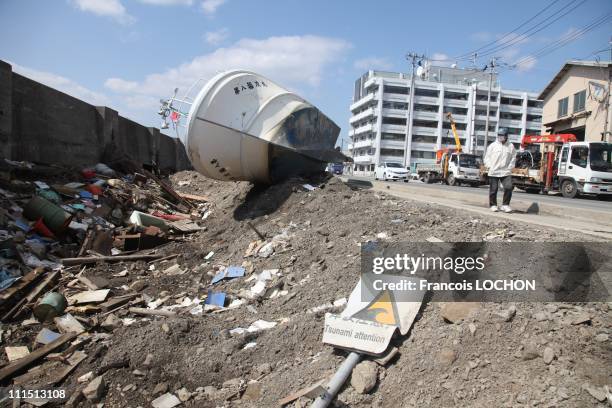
[(502, 139)]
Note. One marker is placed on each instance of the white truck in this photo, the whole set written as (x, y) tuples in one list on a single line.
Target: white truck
[(562, 164), (391, 171), (452, 168)]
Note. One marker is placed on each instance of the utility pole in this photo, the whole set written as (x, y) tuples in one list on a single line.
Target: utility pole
[(413, 57), (491, 68), (606, 135)]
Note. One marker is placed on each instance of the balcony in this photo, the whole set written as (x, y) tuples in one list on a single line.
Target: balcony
[(429, 100), (363, 143), (425, 115), (427, 131), (395, 113), (392, 144), (511, 108), (393, 129), (484, 103), (514, 123), (392, 159), (366, 128), (394, 97), (362, 101), (455, 103), (363, 159), (423, 146), (363, 115), (534, 125)]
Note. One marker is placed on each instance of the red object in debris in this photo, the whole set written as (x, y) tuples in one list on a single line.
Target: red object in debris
[(169, 217), (41, 228), (94, 189), (88, 173)]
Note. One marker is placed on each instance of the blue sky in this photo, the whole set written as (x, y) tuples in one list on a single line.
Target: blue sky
[(127, 54)]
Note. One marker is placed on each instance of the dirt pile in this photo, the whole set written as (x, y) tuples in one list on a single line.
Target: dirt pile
[(299, 248)]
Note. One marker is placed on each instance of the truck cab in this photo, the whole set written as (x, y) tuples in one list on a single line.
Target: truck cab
[(463, 168), (585, 168)]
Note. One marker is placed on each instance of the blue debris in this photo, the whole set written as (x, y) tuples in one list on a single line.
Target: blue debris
[(215, 298), (230, 272), (85, 194)]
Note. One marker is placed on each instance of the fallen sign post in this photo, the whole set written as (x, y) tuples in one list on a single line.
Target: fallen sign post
[(366, 327)]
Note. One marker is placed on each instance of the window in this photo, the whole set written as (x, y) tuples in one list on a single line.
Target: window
[(393, 121), (562, 109), (579, 156), (579, 99)]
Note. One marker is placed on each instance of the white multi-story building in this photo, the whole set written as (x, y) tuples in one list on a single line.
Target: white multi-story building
[(383, 103)]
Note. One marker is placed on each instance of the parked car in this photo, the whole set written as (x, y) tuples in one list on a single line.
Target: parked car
[(391, 171)]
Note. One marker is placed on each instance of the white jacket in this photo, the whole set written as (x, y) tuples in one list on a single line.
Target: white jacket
[(500, 158)]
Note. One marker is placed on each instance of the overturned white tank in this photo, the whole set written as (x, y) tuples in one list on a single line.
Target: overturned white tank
[(242, 126)]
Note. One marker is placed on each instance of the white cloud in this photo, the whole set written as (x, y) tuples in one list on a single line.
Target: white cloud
[(62, 84), (372, 63), (168, 2), (210, 6), (121, 86), (526, 64), (291, 61), (441, 60), (216, 37), (106, 8)]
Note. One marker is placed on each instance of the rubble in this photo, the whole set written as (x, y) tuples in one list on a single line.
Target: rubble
[(261, 342)]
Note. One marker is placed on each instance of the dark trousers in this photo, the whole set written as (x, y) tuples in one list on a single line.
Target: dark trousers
[(493, 187)]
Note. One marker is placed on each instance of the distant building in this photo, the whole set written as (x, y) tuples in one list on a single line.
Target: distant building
[(381, 106), (575, 101)]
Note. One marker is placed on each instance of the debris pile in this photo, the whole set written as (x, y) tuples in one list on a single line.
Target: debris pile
[(232, 314)]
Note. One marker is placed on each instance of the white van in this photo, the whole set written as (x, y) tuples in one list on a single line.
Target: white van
[(391, 171)]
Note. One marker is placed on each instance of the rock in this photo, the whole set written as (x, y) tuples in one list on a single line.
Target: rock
[(548, 355), (542, 316), (601, 338), (508, 314), (596, 392), (183, 394), (266, 250), (447, 356), (111, 322), (472, 328), (148, 360), (160, 388), (252, 392), (364, 377), (165, 328), (455, 312), (85, 377), (166, 401), (263, 369), (138, 285), (95, 389), (530, 352)]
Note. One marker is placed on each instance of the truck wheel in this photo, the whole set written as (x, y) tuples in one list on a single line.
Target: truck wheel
[(384, 176), (569, 189), (450, 180), (427, 178)]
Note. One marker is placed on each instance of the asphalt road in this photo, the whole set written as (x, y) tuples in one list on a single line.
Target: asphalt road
[(589, 203)]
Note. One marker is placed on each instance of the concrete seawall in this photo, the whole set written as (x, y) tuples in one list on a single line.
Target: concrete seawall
[(43, 125)]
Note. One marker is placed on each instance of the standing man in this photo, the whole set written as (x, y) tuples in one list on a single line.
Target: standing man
[(499, 159)]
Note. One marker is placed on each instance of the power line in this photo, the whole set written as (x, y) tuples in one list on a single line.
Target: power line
[(549, 48), (469, 54), (534, 30)]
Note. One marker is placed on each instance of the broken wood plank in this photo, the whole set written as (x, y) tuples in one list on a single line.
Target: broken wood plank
[(167, 189), (90, 296), (21, 284), (37, 354), (151, 312), (312, 392), (118, 258), (194, 197)]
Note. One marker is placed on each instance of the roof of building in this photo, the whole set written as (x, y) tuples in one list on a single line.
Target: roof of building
[(566, 67)]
